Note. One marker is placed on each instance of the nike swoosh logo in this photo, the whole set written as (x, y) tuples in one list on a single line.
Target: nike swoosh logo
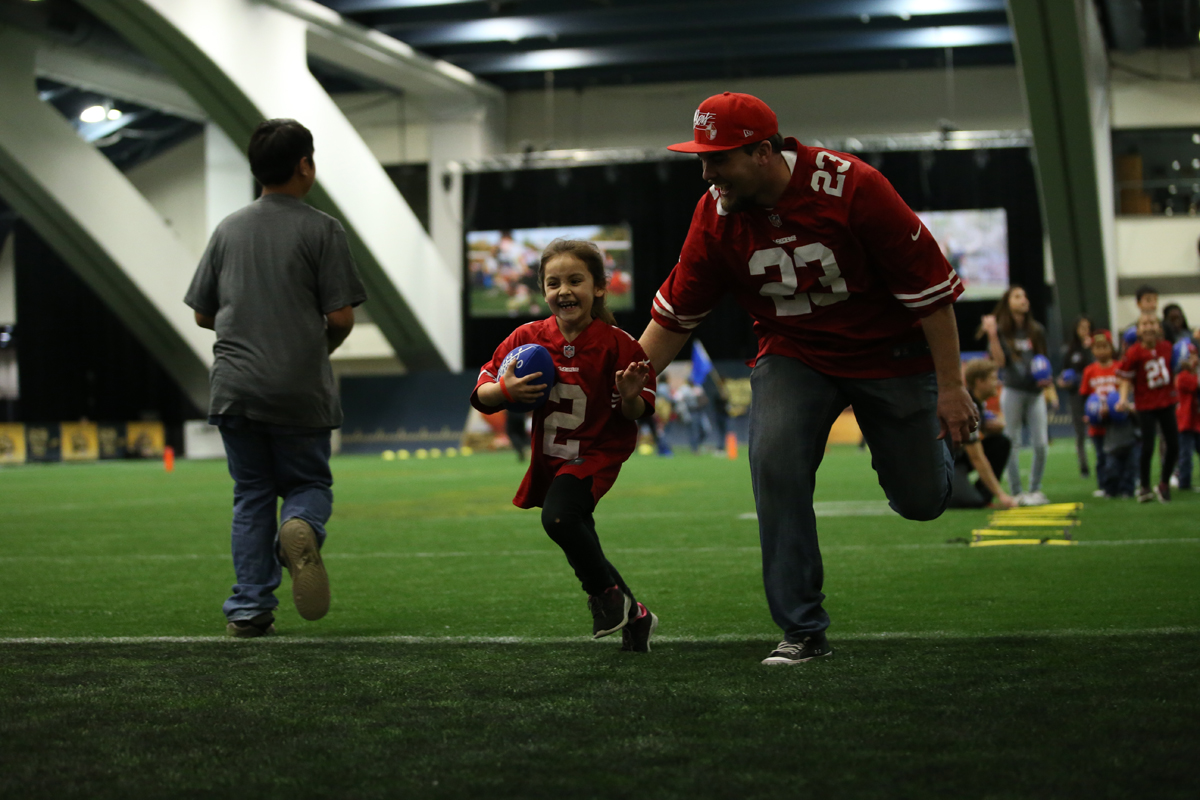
[(918, 233)]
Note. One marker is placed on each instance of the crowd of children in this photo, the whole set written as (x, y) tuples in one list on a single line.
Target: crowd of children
[(1127, 394), (1148, 392)]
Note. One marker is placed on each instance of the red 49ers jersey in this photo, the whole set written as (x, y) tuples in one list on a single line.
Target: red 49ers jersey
[(837, 275), (580, 430), (1150, 372)]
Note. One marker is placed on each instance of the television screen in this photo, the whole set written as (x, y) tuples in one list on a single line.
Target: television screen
[(975, 242), (502, 268)]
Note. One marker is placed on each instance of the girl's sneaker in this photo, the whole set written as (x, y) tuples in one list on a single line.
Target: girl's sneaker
[(1145, 495), (1163, 492), (635, 637), (1033, 499), (610, 611)]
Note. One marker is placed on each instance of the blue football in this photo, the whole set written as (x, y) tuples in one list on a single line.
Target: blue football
[(1179, 353), (1130, 336), (528, 358), (1069, 376), (1091, 409), (1040, 368), (1114, 415)]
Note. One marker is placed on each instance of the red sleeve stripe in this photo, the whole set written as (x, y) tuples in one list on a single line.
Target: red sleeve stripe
[(1126, 374), (688, 321), (955, 284), (483, 372)]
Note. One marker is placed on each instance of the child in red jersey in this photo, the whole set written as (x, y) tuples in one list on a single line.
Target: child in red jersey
[(1187, 415), (1146, 372), (1100, 377), (587, 428)]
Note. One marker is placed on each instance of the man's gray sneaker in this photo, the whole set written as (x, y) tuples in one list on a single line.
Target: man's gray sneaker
[(799, 652), (260, 625)]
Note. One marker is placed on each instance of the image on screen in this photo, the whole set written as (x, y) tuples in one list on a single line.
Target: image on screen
[(975, 242), (502, 267)]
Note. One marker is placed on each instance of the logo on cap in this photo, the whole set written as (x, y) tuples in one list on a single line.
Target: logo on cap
[(706, 121), (747, 133)]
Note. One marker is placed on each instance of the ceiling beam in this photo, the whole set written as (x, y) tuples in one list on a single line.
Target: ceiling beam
[(726, 49), (701, 16)]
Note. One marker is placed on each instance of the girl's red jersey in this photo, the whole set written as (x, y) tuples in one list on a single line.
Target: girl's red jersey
[(1150, 372), (580, 430)]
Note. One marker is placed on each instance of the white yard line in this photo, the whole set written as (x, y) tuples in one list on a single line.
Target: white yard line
[(1066, 633), (831, 548)]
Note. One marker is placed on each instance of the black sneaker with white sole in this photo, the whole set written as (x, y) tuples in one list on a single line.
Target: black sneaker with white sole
[(260, 625), (610, 611), (799, 652), (635, 637)]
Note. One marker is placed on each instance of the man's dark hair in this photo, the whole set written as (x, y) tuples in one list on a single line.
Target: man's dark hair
[(276, 147), (1144, 290), (776, 144)]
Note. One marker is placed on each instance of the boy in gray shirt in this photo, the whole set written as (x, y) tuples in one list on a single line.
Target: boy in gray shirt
[(278, 285)]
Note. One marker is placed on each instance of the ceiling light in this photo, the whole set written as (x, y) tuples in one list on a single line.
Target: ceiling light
[(114, 113), (93, 114)]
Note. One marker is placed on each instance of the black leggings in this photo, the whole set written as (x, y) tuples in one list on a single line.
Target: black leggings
[(1164, 420), (567, 518)]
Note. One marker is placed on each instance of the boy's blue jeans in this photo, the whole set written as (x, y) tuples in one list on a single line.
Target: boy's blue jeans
[(793, 409), (268, 462)]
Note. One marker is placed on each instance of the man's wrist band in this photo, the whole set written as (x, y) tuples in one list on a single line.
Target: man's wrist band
[(504, 390)]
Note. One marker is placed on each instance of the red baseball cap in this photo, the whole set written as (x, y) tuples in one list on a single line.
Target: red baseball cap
[(729, 120), (1104, 334)]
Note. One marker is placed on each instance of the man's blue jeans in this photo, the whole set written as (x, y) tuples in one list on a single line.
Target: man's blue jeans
[(792, 411), (268, 462)]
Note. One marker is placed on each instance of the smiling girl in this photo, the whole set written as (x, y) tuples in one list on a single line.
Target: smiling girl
[(587, 428)]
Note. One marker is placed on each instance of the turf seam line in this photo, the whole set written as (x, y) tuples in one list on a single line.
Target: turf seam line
[(556, 553), (518, 640)]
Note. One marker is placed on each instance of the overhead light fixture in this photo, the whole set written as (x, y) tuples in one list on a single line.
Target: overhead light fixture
[(93, 114), (114, 113)]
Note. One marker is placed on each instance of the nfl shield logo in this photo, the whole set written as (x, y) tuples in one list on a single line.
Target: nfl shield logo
[(569, 350), (775, 220)]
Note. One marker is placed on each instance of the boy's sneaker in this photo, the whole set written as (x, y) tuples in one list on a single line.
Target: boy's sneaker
[(300, 553), (799, 652), (1100, 493), (1175, 482), (1144, 495), (635, 637), (1033, 499), (610, 611), (1163, 492), (260, 625)]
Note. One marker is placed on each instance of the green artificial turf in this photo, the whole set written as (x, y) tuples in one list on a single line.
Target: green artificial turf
[(456, 660)]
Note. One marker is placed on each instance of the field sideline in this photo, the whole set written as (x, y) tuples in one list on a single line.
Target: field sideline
[(455, 660)]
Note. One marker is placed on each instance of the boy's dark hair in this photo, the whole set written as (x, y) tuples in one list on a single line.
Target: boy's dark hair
[(276, 147), (1144, 290), (591, 257), (775, 140)]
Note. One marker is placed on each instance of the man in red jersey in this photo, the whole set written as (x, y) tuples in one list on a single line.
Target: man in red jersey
[(851, 299)]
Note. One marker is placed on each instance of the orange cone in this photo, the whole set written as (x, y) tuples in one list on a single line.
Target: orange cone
[(731, 446), (169, 459)]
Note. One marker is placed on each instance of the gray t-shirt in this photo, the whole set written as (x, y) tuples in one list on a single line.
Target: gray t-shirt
[(1018, 361), (269, 275)]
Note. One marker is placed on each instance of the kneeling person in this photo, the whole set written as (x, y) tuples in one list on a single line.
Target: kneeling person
[(986, 450)]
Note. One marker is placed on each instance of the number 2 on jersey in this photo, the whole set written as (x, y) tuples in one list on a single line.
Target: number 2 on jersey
[(564, 420), (789, 302)]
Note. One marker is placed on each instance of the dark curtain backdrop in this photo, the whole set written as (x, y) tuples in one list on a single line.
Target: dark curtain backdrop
[(76, 358), (657, 200)]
